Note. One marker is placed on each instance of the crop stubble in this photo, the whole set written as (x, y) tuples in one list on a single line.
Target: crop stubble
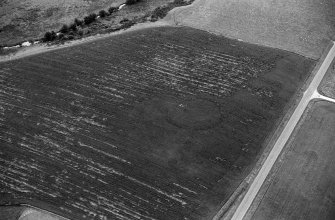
[(159, 123)]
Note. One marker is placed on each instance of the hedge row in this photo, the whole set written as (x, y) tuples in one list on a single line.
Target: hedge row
[(72, 29)]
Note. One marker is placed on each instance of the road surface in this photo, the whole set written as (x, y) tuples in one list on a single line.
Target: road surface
[(308, 95)]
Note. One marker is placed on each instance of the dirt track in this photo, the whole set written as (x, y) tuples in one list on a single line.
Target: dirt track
[(42, 48), (283, 138)]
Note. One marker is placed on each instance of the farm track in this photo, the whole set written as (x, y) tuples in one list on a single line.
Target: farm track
[(310, 94), (161, 123)]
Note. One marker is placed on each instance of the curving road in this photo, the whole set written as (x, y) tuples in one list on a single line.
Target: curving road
[(308, 95)]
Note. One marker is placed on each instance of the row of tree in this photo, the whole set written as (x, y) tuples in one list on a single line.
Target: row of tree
[(72, 29)]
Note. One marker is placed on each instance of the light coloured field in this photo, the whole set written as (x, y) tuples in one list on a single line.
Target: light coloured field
[(301, 26), (25, 213), (302, 185), (33, 214)]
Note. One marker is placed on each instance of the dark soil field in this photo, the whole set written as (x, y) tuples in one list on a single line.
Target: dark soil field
[(303, 187), (327, 86), (159, 123), (11, 212)]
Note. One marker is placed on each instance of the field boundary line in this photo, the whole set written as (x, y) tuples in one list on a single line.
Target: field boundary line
[(262, 174), (45, 48)]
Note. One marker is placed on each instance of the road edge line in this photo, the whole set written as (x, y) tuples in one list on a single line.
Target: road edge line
[(281, 141)]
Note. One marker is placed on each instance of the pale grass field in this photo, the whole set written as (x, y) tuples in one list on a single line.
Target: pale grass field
[(301, 26)]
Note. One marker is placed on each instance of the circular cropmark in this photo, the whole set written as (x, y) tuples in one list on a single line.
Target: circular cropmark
[(194, 113)]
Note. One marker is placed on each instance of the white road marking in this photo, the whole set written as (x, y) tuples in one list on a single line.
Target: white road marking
[(283, 138)]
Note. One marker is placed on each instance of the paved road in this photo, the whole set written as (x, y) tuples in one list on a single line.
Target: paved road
[(317, 95), (280, 143)]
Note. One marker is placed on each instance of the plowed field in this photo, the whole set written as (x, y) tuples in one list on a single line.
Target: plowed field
[(158, 123)]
